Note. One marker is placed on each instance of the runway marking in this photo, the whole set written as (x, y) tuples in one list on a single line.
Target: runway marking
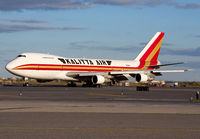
[(110, 95), (103, 129), (144, 99), (3, 109)]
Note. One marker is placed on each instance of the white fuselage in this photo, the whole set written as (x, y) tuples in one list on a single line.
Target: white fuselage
[(51, 67)]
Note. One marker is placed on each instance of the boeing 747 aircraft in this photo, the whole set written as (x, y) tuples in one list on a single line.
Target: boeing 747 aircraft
[(45, 67)]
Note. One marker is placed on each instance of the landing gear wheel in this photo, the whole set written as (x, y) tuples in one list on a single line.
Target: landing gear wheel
[(25, 81), (98, 85), (26, 84)]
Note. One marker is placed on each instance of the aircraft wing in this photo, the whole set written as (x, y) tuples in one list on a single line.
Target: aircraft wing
[(74, 74), (119, 75), (84, 74)]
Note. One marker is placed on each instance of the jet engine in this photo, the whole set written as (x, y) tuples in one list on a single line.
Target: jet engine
[(98, 79), (144, 77)]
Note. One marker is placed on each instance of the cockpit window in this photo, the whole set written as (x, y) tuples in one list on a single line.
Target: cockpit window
[(21, 56)]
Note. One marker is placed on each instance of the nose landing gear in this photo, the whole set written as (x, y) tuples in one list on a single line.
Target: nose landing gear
[(26, 82)]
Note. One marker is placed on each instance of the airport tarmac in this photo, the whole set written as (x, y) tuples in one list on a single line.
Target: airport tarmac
[(109, 112)]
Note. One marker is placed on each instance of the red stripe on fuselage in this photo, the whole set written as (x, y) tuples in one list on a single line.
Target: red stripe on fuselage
[(70, 67)]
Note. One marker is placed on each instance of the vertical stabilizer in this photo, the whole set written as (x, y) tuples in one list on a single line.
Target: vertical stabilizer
[(149, 54)]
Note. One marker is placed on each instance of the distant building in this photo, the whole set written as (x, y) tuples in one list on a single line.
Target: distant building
[(172, 84), (158, 83), (1, 81), (13, 78)]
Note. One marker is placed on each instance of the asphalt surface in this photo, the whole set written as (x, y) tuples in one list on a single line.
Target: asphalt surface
[(113, 112), (60, 93)]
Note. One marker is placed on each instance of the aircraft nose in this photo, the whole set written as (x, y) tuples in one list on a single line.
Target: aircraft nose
[(9, 66)]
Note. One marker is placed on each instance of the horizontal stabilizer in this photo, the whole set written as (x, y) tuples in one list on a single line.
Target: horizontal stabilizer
[(165, 71), (162, 65), (145, 71)]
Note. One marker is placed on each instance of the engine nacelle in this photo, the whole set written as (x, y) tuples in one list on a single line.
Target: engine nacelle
[(144, 77), (98, 79)]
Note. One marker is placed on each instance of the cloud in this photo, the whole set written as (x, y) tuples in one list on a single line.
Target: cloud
[(29, 25), (183, 52), (186, 6), (118, 2), (22, 21), (88, 45), (129, 2), (91, 45), (164, 44), (197, 36), (7, 28), (18, 5), (192, 65), (150, 3)]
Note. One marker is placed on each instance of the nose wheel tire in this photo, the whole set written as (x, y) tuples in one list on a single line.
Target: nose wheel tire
[(26, 84)]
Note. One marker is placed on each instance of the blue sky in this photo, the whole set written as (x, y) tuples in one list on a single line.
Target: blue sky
[(113, 29)]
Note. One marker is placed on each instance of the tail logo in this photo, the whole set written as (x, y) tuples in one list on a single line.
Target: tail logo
[(149, 54)]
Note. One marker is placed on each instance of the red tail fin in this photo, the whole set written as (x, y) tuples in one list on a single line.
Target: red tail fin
[(149, 54)]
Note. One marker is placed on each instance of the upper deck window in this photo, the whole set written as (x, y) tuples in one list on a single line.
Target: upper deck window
[(21, 56)]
